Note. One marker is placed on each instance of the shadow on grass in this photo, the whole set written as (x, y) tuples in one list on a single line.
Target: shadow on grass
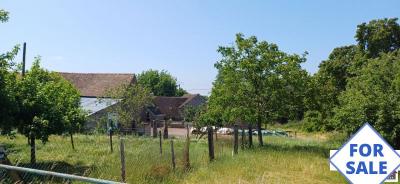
[(319, 150), (60, 167)]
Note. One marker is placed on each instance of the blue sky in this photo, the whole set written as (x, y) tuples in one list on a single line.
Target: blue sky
[(122, 36)]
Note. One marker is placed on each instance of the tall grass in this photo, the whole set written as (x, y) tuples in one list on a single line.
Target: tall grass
[(281, 160)]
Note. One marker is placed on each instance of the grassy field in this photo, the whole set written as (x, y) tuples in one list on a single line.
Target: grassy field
[(281, 160)]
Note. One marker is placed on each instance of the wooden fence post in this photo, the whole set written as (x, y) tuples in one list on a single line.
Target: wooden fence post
[(210, 143), (154, 129), (216, 135), (242, 142), (166, 130), (186, 154), (72, 141), (111, 142), (173, 154), (122, 150), (159, 132), (236, 139)]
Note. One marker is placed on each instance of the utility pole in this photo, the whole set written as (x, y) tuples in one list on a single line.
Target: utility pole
[(23, 75), (23, 59)]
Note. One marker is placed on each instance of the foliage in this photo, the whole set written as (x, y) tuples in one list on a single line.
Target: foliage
[(191, 113), (331, 85), (161, 83), (256, 83), (374, 97), (48, 103), (382, 35), (133, 99), (325, 87), (8, 77)]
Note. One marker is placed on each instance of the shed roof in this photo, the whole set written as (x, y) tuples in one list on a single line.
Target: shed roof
[(93, 105)]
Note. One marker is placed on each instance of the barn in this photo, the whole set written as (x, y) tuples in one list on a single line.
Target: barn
[(93, 89)]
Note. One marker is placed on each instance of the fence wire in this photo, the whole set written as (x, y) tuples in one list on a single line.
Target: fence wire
[(93, 156)]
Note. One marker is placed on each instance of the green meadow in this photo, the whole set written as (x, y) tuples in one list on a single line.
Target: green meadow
[(281, 160)]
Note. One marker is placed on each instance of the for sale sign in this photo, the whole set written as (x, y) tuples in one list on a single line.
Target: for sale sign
[(366, 158)]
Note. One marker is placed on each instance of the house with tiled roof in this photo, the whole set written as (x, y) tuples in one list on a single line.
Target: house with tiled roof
[(93, 89), (97, 84), (173, 107)]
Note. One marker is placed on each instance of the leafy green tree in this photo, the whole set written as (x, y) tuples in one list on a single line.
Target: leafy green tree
[(374, 97), (8, 77), (190, 113), (161, 83), (326, 85), (382, 35), (254, 83), (373, 38), (75, 118), (337, 67), (48, 104), (133, 100)]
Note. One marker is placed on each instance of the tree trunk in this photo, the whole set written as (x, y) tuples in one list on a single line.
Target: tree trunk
[(236, 139), (210, 143), (72, 141), (260, 136), (250, 136), (33, 148)]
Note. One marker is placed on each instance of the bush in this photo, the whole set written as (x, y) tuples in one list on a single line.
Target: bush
[(314, 122)]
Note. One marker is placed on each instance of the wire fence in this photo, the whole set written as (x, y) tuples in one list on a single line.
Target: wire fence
[(142, 160)]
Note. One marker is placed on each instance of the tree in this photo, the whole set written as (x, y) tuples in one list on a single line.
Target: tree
[(344, 63), (254, 79), (382, 35), (326, 85), (191, 113), (373, 97), (74, 119), (48, 104), (133, 100), (161, 83), (8, 77)]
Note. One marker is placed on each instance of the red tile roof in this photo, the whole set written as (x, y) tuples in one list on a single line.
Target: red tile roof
[(172, 106), (97, 84)]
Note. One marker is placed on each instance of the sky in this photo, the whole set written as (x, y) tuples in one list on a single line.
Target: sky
[(182, 37)]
